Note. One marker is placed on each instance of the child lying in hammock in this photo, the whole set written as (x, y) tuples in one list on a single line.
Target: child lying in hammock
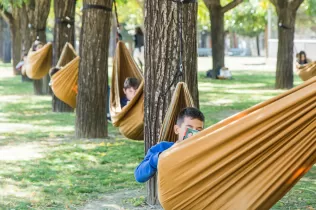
[(130, 87), (188, 118)]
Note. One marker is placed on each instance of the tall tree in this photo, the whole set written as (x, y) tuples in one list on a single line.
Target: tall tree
[(64, 31), (37, 14), (162, 47), (286, 10), (13, 19), (93, 71), (217, 12)]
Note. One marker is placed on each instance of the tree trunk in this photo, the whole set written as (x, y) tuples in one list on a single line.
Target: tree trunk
[(258, 45), (93, 71), (64, 32), (162, 63), (218, 38), (2, 37), (37, 14), (190, 51), (16, 37)]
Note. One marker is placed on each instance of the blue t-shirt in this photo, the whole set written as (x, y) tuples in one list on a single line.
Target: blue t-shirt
[(124, 102), (148, 167)]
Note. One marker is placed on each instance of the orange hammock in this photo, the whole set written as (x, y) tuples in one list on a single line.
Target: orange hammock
[(39, 62), (65, 80), (181, 99), (248, 161), (129, 119), (307, 71)]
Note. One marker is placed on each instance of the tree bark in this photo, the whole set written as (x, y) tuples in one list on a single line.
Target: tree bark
[(286, 11), (13, 20), (93, 71), (37, 14), (64, 32), (2, 37), (162, 47)]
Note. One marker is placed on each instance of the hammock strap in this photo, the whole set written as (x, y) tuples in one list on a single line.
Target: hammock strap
[(64, 20), (95, 6)]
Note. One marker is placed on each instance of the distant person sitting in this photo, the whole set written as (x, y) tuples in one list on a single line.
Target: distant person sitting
[(53, 71), (130, 87), (37, 45), (21, 63), (302, 59)]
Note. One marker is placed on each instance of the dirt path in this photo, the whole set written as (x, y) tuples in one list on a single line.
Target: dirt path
[(122, 200)]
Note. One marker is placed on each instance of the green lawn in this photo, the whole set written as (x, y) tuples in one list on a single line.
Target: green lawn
[(44, 167)]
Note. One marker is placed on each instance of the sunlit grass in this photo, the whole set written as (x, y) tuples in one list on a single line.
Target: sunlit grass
[(46, 167)]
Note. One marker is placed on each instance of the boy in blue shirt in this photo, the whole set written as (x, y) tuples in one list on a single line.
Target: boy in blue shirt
[(188, 118), (130, 87)]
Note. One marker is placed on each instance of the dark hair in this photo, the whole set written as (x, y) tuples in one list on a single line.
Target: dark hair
[(35, 44), (131, 82), (190, 112), (139, 31), (299, 58), (53, 71)]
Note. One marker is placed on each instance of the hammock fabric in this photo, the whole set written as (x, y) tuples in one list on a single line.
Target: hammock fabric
[(39, 62), (307, 71), (65, 80), (248, 161), (129, 119), (181, 99)]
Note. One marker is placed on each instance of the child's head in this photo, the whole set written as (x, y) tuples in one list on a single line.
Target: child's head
[(130, 86), (302, 56), (53, 71), (37, 45), (188, 118)]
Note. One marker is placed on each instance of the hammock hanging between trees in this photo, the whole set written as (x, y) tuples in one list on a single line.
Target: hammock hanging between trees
[(307, 71), (65, 80), (129, 119), (39, 62), (248, 161), (181, 99)]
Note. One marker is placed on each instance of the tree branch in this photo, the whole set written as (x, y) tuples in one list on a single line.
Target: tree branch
[(295, 4), (231, 5), (7, 16)]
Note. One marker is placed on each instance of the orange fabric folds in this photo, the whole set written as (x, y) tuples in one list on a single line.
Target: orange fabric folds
[(39, 62), (65, 80), (181, 99), (307, 71), (129, 119), (248, 161)]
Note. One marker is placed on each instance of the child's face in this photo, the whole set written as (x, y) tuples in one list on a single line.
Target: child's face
[(38, 47), (195, 124), (302, 57), (130, 93)]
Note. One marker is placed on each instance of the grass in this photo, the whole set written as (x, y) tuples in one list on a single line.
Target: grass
[(45, 167)]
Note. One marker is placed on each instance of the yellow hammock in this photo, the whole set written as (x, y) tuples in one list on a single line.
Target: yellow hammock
[(129, 119), (307, 71), (248, 161), (39, 62), (64, 81), (181, 99)]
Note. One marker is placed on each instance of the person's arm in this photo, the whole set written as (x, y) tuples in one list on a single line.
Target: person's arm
[(148, 167)]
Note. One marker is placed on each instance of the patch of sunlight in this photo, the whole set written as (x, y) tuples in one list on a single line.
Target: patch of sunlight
[(220, 102), (20, 152), (258, 91), (11, 98), (57, 128), (13, 127), (206, 86)]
